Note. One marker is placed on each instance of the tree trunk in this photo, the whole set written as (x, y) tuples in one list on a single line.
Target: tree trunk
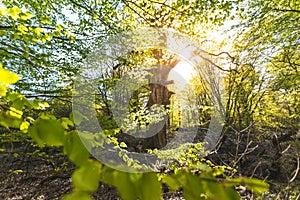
[(160, 95)]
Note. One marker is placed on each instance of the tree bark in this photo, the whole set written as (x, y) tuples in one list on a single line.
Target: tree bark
[(160, 95)]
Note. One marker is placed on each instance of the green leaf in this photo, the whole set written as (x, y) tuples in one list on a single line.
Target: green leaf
[(14, 12), (123, 145), (3, 89), (47, 131), (74, 149), (45, 20), (34, 134), (3, 11), (8, 77), (24, 126), (77, 196), (88, 140), (77, 117), (257, 186), (87, 177), (26, 15), (47, 37), (193, 187), (121, 181), (23, 29), (38, 31), (19, 103), (95, 16), (66, 122), (59, 28), (216, 190), (9, 121), (72, 38), (36, 104), (15, 113), (171, 182), (12, 96), (149, 186), (231, 194)]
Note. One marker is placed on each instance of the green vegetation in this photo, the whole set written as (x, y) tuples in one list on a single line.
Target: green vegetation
[(43, 45)]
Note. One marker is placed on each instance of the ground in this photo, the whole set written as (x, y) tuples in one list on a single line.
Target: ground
[(28, 172)]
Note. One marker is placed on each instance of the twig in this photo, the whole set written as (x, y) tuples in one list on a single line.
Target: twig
[(92, 12), (215, 65), (296, 171), (286, 149), (247, 151), (255, 169)]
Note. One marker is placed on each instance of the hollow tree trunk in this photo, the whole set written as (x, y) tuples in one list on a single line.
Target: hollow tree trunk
[(160, 95)]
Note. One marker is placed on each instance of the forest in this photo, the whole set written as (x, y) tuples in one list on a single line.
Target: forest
[(150, 99)]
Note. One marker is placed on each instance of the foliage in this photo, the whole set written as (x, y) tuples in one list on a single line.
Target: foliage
[(47, 130), (244, 96), (271, 49), (39, 39)]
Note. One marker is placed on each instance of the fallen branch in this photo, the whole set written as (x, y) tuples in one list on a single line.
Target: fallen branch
[(296, 171)]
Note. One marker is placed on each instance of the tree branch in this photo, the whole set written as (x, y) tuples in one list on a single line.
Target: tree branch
[(91, 12), (287, 10)]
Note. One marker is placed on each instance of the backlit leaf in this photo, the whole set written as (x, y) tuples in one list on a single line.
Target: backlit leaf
[(74, 149), (257, 186), (77, 195), (38, 31), (22, 29), (149, 186), (3, 11), (8, 121), (47, 131), (3, 89), (45, 20), (87, 177), (172, 183), (8, 77), (123, 145), (121, 181), (24, 126), (14, 12), (26, 15)]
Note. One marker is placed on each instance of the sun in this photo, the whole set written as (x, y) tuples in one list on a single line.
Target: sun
[(181, 74)]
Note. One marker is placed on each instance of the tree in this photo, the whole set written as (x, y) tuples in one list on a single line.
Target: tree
[(38, 39), (271, 49)]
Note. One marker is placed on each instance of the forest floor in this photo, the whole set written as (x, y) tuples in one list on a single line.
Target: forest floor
[(45, 174), (32, 173), (35, 175)]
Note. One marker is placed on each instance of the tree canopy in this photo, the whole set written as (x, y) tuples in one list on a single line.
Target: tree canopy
[(247, 82)]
